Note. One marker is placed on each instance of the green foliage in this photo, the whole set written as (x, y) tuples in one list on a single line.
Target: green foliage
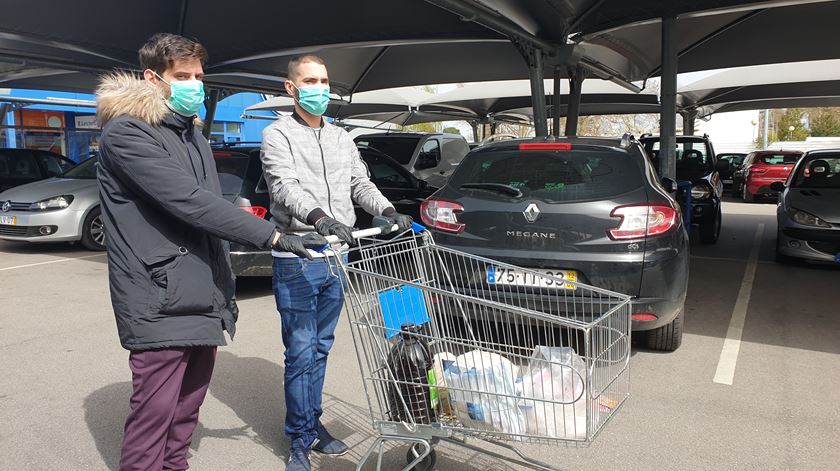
[(451, 130), (825, 122), (792, 117)]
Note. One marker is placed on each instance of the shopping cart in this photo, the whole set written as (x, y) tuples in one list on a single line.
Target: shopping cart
[(454, 346)]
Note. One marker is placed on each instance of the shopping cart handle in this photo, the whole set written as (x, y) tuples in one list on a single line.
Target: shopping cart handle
[(374, 231)]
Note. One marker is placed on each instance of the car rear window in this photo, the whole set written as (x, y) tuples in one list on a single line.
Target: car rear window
[(232, 169), (398, 148), (553, 176), (779, 159), (15, 164), (821, 171)]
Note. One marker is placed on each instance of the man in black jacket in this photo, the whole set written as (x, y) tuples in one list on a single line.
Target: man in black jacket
[(172, 288)]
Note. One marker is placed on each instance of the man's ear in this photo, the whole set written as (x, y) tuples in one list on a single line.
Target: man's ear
[(290, 88), (150, 76)]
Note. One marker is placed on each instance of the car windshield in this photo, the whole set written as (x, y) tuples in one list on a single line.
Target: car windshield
[(819, 171), (548, 176), (692, 159), (232, 169), (400, 149), (85, 170), (779, 159), (15, 164), (734, 159)]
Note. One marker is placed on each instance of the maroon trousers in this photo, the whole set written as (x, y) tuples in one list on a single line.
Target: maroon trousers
[(169, 387)]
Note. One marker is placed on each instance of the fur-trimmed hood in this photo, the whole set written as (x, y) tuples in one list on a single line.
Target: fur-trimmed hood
[(123, 94)]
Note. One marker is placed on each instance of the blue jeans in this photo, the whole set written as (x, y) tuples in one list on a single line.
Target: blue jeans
[(309, 298)]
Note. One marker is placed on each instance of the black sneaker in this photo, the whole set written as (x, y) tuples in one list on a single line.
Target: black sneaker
[(327, 444), (298, 457)]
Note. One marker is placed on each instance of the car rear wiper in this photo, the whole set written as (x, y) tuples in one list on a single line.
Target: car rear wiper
[(497, 187)]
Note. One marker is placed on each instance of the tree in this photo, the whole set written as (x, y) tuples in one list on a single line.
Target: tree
[(792, 117), (825, 122), (423, 127), (451, 130)]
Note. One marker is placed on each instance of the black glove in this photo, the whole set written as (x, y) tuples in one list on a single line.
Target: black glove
[(402, 220), (297, 245), (327, 226)]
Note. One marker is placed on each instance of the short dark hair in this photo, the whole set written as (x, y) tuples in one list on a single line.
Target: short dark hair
[(163, 49), (292, 68)]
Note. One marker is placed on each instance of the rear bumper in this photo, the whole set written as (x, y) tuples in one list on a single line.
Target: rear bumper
[(665, 310), (251, 263)]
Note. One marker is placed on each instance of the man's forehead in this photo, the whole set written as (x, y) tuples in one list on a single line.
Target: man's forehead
[(311, 70)]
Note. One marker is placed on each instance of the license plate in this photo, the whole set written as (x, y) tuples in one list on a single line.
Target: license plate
[(513, 277), (8, 220), (727, 182)]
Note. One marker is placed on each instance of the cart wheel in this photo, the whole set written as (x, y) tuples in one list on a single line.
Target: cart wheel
[(428, 462)]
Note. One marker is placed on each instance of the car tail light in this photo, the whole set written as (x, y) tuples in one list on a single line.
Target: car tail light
[(644, 316), (545, 146), (442, 215), (257, 211), (222, 154), (640, 221)]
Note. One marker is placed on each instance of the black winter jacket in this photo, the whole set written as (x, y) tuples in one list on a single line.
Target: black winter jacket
[(167, 225)]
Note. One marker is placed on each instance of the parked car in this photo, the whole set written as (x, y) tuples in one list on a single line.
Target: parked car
[(22, 166), (587, 209), (431, 157), (735, 160), (698, 165), (808, 214), (242, 182), (59, 209), (758, 172)]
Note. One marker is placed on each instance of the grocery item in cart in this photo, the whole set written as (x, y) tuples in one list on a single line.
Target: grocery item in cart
[(553, 389), (439, 393), (409, 361), (481, 388)]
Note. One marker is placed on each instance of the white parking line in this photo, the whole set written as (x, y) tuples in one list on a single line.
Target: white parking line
[(732, 344), (51, 261)]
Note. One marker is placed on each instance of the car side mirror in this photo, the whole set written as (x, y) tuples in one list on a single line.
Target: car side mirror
[(669, 185), (723, 166), (777, 186)]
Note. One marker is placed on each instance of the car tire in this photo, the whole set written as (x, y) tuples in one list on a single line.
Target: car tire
[(666, 338), (93, 230), (746, 196), (710, 232)]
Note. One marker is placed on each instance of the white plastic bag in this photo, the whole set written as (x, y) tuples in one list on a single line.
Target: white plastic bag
[(553, 392), (481, 388)]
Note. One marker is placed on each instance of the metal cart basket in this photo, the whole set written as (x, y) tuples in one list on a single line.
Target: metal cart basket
[(454, 346)]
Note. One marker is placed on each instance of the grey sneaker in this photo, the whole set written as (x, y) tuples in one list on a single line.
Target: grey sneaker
[(327, 444)]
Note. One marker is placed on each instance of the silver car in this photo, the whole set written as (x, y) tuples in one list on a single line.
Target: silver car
[(809, 209), (59, 209)]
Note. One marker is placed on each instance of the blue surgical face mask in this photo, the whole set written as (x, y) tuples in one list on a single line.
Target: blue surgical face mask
[(186, 96), (313, 98)]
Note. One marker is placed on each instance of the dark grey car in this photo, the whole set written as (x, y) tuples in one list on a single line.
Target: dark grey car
[(809, 210), (589, 209)]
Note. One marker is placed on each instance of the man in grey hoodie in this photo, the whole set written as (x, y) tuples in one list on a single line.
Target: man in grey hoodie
[(315, 174)]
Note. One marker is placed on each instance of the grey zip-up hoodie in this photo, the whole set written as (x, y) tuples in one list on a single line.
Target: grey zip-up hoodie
[(315, 172)]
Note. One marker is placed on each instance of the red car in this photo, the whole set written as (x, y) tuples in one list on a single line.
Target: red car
[(760, 169)]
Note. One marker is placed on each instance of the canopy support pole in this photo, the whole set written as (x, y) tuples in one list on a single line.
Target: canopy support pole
[(210, 115), (576, 78), (689, 120), (555, 102), (534, 57), (474, 125), (668, 113)]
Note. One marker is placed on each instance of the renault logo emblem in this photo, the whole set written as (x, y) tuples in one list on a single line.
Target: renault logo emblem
[(7, 205), (532, 212)]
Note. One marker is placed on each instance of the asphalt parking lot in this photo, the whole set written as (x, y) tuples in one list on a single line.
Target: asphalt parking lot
[(65, 379)]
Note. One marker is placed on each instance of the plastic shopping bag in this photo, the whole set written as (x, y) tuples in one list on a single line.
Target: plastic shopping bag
[(481, 387), (553, 392)]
